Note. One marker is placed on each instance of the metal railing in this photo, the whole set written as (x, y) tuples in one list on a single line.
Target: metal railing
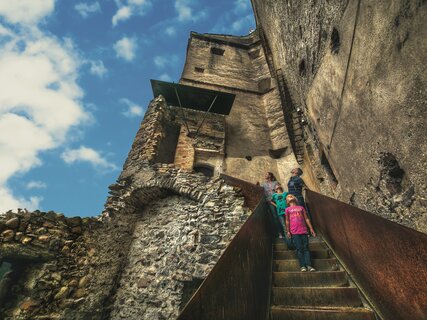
[(238, 287), (388, 261)]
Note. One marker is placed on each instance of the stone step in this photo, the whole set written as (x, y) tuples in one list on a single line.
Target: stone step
[(311, 246), (283, 313), (310, 279), (318, 264), (316, 297), (311, 240), (291, 254)]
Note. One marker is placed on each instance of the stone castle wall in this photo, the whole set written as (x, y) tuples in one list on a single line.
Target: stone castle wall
[(357, 70), (354, 69)]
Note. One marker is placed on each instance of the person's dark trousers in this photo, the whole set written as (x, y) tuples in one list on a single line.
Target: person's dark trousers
[(301, 243), (276, 223), (301, 202)]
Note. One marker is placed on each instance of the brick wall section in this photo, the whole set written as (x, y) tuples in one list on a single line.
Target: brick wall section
[(211, 135), (184, 155)]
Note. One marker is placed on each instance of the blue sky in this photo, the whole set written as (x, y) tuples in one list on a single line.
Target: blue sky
[(74, 85)]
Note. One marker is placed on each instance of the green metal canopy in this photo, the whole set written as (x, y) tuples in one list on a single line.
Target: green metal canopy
[(194, 97)]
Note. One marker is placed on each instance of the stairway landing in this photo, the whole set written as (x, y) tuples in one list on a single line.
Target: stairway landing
[(323, 294)]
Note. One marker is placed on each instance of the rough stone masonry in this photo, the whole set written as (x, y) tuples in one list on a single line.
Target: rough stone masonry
[(162, 231), (336, 87)]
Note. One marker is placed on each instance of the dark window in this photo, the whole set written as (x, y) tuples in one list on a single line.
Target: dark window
[(217, 51), (335, 41), (254, 53), (207, 170), (302, 68), (264, 85), (278, 153), (198, 69)]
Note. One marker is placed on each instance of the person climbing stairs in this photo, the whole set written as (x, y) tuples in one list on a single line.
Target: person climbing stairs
[(326, 293)]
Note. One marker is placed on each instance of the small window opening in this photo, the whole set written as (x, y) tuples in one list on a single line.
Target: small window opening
[(328, 169), (217, 51), (335, 42), (278, 153), (254, 53), (264, 85), (206, 170), (249, 158), (302, 70), (198, 69)]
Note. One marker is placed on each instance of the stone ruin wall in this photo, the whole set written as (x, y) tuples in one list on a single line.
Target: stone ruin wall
[(357, 70), (162, 231)]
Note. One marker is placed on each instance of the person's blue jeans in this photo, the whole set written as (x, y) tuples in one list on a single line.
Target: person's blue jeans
[(276, 222), (303, 254)]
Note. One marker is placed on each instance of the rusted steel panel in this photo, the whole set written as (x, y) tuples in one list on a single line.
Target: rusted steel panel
[(252, 193), (238, 287), (387, 260)]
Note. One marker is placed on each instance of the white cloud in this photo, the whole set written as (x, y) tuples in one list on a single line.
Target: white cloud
[(126, 48), (122, 14), (242, 23), (133, 110), (240, 20), (165, 77), (11, 202), (183, 9), (26, 11), (160, 61), (129, 8), (97, 68), (186, 12), (85, 9), (164, 61), (36, 185), (18, 151), (40, 100), (241, 6), (170, 31), (85, 154)]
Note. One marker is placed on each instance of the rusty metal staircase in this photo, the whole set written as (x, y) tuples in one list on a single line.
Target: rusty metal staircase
[(256, 278), (323, 294)]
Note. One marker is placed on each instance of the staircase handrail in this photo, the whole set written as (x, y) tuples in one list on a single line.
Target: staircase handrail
[(238, 286), (387, 260)]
